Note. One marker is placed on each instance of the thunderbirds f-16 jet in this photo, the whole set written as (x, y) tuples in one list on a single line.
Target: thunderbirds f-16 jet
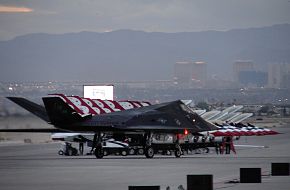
[(102, 117)]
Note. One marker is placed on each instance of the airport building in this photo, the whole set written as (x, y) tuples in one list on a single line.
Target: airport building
[(190, 74)]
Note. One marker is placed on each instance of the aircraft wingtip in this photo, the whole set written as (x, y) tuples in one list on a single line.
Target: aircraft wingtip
[(13, 98)]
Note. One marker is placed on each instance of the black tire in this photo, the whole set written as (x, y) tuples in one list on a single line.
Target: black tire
[(132, 151), (70, 152), (177, 153), (99, 153), (74, 152), (105, 153), (140, 151), (124, 153), (149, 152), (60, 152)]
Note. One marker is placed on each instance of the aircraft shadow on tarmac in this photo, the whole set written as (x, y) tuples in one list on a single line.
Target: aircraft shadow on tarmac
[(106, 158)]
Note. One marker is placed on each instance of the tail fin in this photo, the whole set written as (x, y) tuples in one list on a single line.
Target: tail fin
[(32, 107), (60, 113)]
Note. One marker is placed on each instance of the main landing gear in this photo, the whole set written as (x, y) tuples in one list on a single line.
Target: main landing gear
[(177, 151), (149, 151), (97, 147), (99, 152), (148, 148)]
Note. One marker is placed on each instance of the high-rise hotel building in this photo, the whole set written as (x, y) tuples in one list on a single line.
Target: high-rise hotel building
[(191, 74)]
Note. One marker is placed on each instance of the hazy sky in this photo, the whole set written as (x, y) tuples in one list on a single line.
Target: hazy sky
[(18, 17)]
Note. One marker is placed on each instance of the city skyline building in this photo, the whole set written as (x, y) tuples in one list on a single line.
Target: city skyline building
[(240, 66), (279, 75), (190, 74)]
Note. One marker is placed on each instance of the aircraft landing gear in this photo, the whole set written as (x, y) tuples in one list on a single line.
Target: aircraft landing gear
[(99, 152), (97, 146), (149, 151), (177, 151)]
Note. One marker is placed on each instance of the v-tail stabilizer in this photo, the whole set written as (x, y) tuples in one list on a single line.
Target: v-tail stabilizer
[(60, 113), (32, 107)]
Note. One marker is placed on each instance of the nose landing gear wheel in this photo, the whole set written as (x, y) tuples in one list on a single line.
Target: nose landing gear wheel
[(149, 152)]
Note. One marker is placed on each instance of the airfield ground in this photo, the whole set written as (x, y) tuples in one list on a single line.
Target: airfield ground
[(37, 166)]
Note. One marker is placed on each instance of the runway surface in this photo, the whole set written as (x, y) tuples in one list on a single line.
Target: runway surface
[(37, 166)]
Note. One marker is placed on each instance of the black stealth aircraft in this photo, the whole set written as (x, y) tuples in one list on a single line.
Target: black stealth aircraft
[(172, 117)]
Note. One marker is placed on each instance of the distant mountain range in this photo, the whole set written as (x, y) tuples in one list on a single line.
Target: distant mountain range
[(135, 55)]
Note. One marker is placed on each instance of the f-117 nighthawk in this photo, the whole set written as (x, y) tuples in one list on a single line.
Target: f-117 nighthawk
[(103, 117)]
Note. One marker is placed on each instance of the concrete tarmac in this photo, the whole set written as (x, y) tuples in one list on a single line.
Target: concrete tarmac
[(38, 166)]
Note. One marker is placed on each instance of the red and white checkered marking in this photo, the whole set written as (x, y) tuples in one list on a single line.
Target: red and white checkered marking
[(85, 106)]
